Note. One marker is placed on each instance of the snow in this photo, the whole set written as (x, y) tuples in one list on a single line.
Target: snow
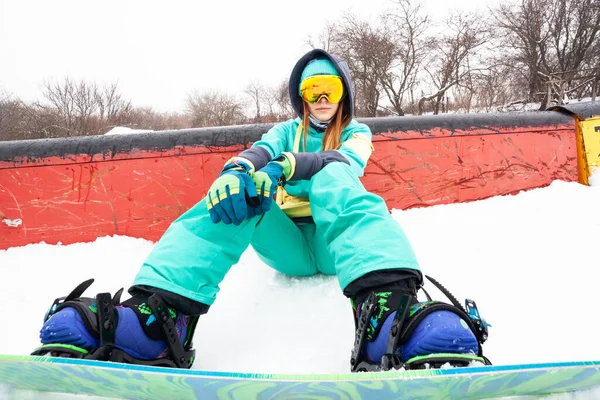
[(594, 180), (123, 130), (529, 261), (13, 223)]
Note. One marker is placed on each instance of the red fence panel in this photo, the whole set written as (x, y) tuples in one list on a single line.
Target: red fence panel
[(78, 189)]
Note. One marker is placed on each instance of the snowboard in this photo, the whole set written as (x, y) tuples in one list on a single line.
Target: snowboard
[(99, 378)]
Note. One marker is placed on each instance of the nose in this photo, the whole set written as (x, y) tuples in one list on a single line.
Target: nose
[(323, 99)]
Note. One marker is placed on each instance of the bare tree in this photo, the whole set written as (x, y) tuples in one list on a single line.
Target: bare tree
[(214, 109), (14, 115), (86, 103), (378, 58), (593, 88), (112, 106), (526, 36), (495, 88), (574, 32), (282, 100), (81, 108), (271, 103), (411, 25), (551, 41), (256, 91), (61, 99), (270, 100), (453, 53), (384, 58), (75, 104), (276, 102), (43, 122), (326, 39), (358, 42), (147, 118)]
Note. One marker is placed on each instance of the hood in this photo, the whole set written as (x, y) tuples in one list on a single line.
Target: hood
[(342, 67)]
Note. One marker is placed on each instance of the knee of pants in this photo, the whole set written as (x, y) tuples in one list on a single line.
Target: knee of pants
[(336, 174)]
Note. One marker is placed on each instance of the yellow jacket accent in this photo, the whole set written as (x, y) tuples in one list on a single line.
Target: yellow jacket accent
[(293, 206), (361, 146)]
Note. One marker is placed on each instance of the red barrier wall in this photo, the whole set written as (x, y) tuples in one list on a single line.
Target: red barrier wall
[(80, 196)]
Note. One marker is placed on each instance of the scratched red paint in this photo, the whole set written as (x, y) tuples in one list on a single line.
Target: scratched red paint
[(72, 199)]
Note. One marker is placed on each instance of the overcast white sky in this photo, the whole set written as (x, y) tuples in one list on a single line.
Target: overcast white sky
[(160, 51)]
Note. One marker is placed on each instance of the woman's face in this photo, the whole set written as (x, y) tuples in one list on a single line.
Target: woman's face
[(323, 110)]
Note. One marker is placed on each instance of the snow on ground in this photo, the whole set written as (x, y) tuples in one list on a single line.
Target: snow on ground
[(530, 262)]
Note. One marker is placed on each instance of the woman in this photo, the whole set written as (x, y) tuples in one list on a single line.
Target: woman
[(323, 221)]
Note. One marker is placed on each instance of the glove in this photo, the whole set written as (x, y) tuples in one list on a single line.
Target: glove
[(232, 194), (266, 180), (289, 166)]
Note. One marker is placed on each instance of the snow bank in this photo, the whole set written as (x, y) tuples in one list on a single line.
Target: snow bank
[(123, 130)]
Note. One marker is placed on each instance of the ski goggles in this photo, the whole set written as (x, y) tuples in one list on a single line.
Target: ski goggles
[(315, 87)]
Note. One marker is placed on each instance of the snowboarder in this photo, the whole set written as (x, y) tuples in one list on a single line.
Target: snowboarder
[(296, 198)]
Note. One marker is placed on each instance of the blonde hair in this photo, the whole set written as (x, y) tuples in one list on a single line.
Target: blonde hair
[(333, 132)]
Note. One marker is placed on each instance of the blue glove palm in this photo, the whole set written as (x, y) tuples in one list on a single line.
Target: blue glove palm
[(266, 181), (228, 196)]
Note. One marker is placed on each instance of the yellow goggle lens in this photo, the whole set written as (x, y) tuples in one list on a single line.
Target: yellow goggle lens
[(315, 87)]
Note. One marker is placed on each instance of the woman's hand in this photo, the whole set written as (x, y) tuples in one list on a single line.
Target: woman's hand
[(232, 197), (266, 180)]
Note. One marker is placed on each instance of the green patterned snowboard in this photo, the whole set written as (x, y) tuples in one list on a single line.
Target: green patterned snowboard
[(139, 382)]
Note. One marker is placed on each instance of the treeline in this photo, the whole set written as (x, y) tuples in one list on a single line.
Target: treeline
[(531, 52), (82, 108)]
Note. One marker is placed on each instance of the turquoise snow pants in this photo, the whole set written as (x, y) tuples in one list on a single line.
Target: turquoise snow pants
[(353, 234)]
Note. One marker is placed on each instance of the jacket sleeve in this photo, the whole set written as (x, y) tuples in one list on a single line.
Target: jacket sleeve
[(272, 143), (355, 151), (358, 147)]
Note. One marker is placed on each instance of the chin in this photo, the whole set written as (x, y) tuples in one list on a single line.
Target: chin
[(324, 117)]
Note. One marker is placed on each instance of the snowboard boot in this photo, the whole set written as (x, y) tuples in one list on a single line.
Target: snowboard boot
[(141, 330), (395, 330)]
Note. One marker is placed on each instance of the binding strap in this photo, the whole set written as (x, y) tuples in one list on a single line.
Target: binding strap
[(182, 358), (101, 319), (406, 320), (390, 359), (107, 319), (357, 362)]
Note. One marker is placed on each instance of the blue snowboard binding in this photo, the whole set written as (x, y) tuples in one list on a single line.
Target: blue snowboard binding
[(394, 330), (142, 330)]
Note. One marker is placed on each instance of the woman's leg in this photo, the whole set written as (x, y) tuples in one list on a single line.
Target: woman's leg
[(194, 255), (184, 269), (374, 262), (355, 227), (283, 245), (325, 262)]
